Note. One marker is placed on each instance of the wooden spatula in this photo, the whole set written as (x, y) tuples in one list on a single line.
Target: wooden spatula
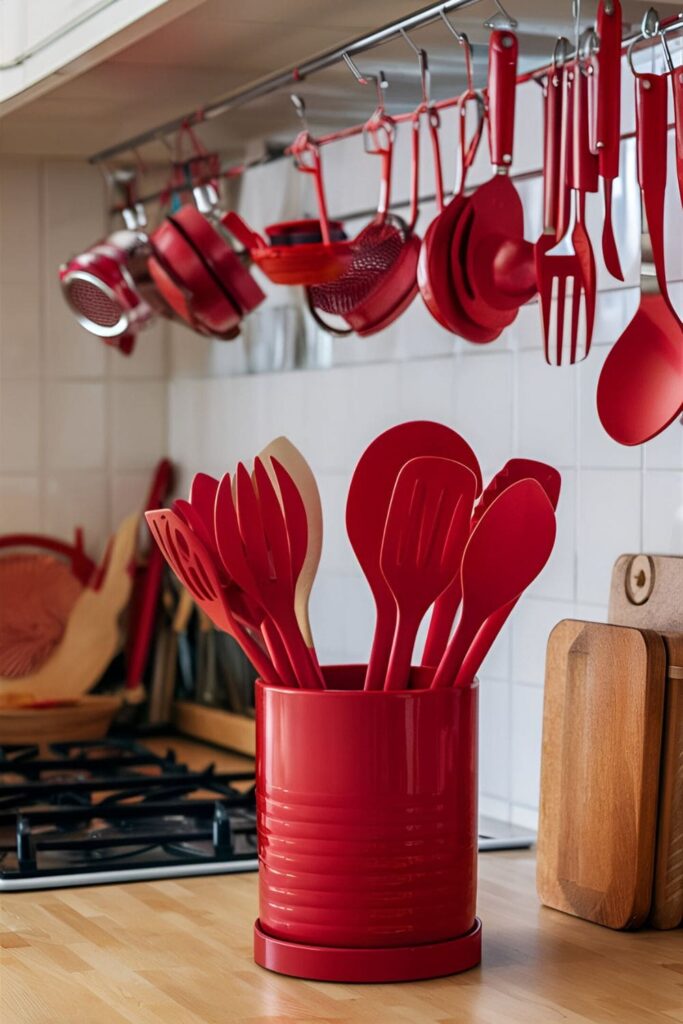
[(505, 552), (427, 526), (370, 492), (282, 450)]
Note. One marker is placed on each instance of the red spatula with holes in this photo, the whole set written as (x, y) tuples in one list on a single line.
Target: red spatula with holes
[(505, 553), (370, 492), (427, 526)]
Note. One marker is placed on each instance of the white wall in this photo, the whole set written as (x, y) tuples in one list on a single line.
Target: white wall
[(81, 426), (505, 400)]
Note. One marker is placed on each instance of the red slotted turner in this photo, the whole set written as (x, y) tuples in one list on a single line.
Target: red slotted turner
[(427, 526)]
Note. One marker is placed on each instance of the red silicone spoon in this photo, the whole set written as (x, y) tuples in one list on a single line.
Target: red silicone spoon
[(505, 553)]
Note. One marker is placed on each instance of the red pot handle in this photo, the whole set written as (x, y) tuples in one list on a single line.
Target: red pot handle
[(468, 150), (242, 232), (553, 176), (677, 87), (307, 158), (608, 88), (584, 164), (379, 134), (502, 85)]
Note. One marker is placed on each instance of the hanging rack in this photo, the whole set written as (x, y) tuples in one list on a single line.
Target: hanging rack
[(296, 74)]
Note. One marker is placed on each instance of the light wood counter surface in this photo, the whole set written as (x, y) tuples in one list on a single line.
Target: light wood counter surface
[(179, 952)]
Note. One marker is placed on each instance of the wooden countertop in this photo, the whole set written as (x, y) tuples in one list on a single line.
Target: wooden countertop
[(179, 952)]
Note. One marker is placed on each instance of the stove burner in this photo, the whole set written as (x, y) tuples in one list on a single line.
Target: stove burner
[(114, 811)]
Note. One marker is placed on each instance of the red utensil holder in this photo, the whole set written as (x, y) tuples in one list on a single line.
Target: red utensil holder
[(367, 829)]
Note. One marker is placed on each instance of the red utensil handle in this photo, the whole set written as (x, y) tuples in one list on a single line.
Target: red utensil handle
[(552, 178), (378, 138), (566, 151), (468, 150), (608, 88), (677, 87), (502, 84), (242, 232), (307, 157), (584, 164), (434, 124)]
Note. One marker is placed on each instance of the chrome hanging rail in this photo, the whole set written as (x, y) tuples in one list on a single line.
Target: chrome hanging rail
[(291, 76)]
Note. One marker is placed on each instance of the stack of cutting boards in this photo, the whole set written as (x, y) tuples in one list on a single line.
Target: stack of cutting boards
[(610, 843)]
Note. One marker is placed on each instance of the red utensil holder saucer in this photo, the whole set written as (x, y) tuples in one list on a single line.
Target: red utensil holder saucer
[(367, 829)]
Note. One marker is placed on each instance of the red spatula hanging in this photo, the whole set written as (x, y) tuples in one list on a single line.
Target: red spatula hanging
[(608, 119)]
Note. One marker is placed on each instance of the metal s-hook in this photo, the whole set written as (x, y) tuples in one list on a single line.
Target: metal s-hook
[(466, 45), (501, 19), (380, 81), (649, 29), (300, 108), (423, 63)]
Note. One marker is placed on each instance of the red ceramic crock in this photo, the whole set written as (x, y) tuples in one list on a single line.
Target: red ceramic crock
[(367, 829)]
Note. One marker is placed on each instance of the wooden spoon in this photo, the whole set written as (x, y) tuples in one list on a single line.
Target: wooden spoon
[(301, 473)]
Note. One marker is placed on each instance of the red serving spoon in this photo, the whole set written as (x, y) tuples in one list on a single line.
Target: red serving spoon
[(446, 606), (370, 492), (193, 566), (550, 481), (640, 389), (505, 553), (426, 529)]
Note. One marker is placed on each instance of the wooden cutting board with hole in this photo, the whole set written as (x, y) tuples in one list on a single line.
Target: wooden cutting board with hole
[(667, 892), (602, 733), (647, 592)]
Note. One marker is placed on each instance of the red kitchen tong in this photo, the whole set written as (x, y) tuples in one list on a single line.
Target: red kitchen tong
[(426, 529), (507, 550)]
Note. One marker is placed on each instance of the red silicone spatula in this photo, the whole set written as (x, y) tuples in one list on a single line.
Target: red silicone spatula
[(505, 553), (193, 566), (608, 119), (446, 607), (427, 526), (550, 481), (370, 492)]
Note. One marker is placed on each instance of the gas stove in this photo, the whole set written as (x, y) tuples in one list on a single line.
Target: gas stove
[(88, 813)]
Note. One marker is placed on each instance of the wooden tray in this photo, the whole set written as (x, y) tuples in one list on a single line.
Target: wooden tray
[(602, 727), (87, 718)]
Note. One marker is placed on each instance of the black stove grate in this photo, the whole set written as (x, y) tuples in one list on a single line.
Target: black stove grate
[(93, 807)]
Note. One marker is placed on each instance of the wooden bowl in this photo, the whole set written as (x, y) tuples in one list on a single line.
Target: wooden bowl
[(57, 721)]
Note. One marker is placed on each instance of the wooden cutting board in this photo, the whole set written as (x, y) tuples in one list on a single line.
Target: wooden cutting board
[(667, 892), (602, 729), (647, 592)]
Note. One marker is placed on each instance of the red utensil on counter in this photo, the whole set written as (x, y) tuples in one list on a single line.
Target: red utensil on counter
[(640, 389), (425, 533), (608, 119), (370, 492), (516, 469), (446, 606), (507, 550), (193, 566)]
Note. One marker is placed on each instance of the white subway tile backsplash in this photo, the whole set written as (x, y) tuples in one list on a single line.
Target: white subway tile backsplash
[(494, 738), (20, 505), (532, 620), (546, 410), (596, 448), (526, 726), (20, 410), (138, 427), (20, 328), (76, 420), (609, 523), (484, 397), (78, 499), (663, 514)]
